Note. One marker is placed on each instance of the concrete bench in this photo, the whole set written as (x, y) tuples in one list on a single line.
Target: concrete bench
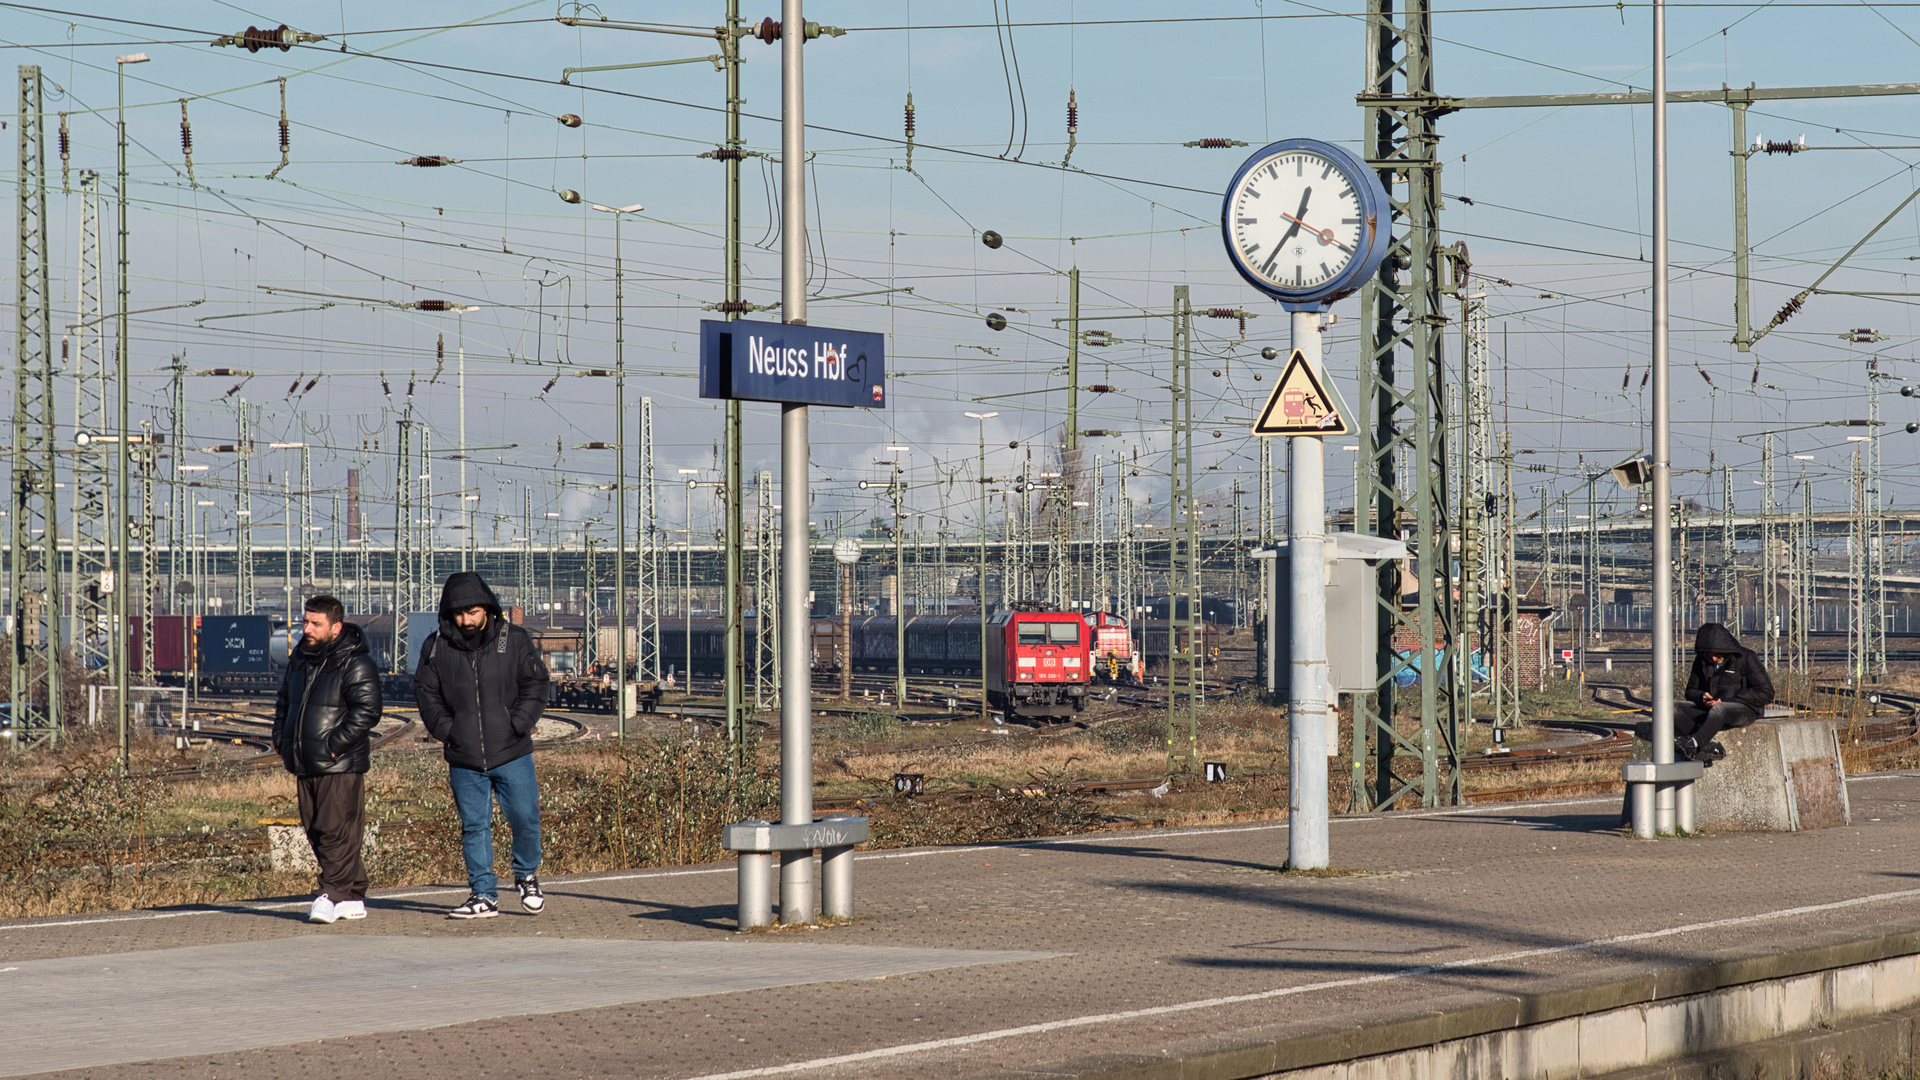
[(1778, 776), (757, 841)]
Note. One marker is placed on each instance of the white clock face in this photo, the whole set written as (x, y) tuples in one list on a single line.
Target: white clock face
[(1296, 220)]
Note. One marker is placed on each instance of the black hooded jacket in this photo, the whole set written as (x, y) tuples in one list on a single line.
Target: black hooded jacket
[(328, 706), (1739, 677), (479, 694)]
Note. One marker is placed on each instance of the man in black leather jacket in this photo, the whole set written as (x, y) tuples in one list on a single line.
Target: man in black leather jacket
[(323, 722), (481, 687)]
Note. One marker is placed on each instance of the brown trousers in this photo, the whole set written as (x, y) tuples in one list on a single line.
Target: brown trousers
[(333, 811)]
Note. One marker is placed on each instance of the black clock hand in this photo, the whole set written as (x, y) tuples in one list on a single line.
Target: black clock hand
[(1297, 215)]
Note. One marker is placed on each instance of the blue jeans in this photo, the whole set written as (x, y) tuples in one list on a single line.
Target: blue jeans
[(514, 785)]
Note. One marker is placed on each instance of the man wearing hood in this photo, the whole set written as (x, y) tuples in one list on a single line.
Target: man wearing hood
[(1728, 688), (322, 723), (481, 687)]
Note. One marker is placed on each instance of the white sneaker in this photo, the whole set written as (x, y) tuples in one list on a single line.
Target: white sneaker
[(351, 909), (323, 910)]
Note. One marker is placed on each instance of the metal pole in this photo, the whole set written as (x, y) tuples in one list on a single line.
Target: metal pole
[(1742, 313), (899, 598), (735, 488), (1307, 847), (796, 684), (619, 490), (123, 373), (1663, 797)]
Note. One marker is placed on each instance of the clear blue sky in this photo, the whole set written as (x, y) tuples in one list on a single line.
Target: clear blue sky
[(1560, 208)]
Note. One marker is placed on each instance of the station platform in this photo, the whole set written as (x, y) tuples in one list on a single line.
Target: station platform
[(1179, 953)]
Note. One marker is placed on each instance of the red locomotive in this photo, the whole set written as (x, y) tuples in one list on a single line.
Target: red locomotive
[(1039, 663), (1113, 654)]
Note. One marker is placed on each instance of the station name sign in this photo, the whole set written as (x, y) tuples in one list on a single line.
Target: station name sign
[(794, 365)]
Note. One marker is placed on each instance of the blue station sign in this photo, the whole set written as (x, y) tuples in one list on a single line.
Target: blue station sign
[(795, 365)]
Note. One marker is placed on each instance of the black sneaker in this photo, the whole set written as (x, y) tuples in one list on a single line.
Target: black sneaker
[(1686, 748), (476, 907), (1715, 751), (532, 900)]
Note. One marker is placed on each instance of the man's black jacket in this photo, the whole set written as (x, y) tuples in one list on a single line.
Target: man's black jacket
[(480, 693), (1741, 676), (328, 706)]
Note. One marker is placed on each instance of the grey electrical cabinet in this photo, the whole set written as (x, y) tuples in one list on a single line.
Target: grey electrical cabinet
[(1353, 612)]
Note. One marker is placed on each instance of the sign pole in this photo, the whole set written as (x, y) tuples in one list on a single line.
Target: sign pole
[(796, 672), (1307, 844)]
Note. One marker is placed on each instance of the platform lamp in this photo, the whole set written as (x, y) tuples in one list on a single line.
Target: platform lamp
[(571, 196)]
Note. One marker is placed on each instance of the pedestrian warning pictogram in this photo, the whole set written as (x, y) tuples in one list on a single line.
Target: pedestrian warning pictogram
[(1300, 406)]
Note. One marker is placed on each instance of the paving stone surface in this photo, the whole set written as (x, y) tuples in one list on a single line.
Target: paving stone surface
[(1150, 939)]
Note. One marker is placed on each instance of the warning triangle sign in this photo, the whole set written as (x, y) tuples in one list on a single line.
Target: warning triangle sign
[(1299, 405)]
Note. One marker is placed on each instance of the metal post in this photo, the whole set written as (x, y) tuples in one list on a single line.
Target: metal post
[(796, 684), (1183, 645), (1742, 313), (899, 596), (620, 489), (734, 484), (1663, 805), (123, 472), (1307, 845), (980, 572)]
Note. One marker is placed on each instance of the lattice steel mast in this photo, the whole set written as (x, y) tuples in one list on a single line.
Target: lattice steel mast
[(34, 571), (91, 606), (1402, 312)]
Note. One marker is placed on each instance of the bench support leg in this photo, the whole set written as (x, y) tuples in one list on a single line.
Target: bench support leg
[(756, 889), (1642, 803), (836, 882), (796, 888)]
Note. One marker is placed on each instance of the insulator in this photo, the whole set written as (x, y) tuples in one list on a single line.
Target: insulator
[(311, 383), (433, 305), (570, 120), (768, 30), (286, 136), (66, 139), (186, 130), (1102, 388), (1073, 114), (1782, 147), (725, 153), (253, 39), (909, 114), (440, 348), (1223, 313), (428, 161), (63, 351), (996, 321), (1215, 144), (991, 239), (733, 306), (1789, 310)]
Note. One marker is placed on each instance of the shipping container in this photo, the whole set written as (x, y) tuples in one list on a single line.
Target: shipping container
[(169, 643), (234, 643)]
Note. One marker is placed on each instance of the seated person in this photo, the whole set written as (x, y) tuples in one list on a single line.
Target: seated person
[(1727, 688)]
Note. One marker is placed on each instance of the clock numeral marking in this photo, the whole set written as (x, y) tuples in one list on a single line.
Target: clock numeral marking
[(1300, 166), (1273, 171), (1349, 221), (1248, 221), (1252, 251), (1267, 267), (1324, 272), (1299, 275), (1324, 173), (1252, 193)]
